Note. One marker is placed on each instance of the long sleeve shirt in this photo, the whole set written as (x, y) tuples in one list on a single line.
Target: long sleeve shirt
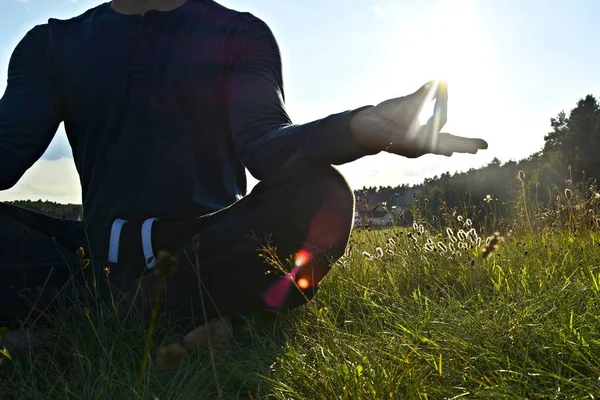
[(163, 111)]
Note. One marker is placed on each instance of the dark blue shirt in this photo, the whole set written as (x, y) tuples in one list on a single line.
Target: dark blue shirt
[(162, 111)]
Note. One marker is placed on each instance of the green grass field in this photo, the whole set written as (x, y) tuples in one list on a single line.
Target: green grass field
[(412, 319)]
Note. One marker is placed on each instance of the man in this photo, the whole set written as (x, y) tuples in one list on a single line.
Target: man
[(165, 103)]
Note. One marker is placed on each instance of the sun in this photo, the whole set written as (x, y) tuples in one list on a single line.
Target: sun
[(452, 45)]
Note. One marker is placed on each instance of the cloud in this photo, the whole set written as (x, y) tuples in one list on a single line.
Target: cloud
[(49, 180)]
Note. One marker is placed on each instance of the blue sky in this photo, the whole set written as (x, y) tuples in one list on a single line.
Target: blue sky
[(511, 66)]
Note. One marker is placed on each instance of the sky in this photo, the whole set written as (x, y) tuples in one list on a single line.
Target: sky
[(511, 65)]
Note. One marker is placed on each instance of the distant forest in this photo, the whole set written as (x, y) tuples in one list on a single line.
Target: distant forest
[(570, 155)]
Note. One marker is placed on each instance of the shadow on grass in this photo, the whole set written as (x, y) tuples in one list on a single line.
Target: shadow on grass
[(95, 351)]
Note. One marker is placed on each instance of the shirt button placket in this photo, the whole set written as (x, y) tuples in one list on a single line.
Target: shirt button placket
[(142, 54)]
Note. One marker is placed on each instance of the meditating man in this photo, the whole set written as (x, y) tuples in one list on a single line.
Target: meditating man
[(165, 103)]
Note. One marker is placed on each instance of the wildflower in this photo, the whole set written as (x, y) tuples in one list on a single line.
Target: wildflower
[(379, 252), (80, 252), (450, 234), (492, 245), (487, 198), (165, 264), (568, 194), (84, 263), (171, 357), (472, 235)]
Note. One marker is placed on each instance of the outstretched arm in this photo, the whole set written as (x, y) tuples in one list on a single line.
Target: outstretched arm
[(30, 110), (267, 139)]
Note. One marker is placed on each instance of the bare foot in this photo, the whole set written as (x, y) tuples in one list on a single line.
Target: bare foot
[(216, 333)]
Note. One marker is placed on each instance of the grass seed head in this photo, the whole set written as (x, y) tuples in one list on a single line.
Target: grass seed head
[(492, 245), (165, 264)]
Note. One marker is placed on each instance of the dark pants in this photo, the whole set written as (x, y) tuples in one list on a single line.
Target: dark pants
[(229, 262)]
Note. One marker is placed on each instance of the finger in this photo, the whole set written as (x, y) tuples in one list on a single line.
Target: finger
[(459, 144), (440, 110), (424, 90), (422, 96)]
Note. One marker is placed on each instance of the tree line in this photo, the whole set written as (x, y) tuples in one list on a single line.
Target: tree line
[(571, 153)]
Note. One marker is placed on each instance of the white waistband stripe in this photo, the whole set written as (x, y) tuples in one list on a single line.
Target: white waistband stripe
[(115, 238)]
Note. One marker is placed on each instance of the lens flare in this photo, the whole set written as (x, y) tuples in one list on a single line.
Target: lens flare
[(302, 258), (303, 283)]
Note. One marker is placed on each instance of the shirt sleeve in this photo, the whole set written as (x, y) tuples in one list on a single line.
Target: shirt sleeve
[(30, 109), (262, 130)]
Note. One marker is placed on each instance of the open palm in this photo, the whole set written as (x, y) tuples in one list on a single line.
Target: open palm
[(393, 126)]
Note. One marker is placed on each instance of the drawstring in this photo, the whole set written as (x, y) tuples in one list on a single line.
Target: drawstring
[(115, 239), (147, 242)]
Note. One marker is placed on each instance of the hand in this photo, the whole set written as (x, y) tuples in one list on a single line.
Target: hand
[(393, 126)]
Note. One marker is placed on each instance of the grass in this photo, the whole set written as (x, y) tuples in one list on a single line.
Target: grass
[(407, 321)]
